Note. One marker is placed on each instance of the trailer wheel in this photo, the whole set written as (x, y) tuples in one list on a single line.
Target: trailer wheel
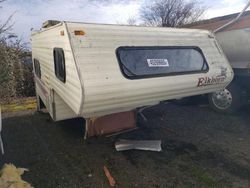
[(227, 100)]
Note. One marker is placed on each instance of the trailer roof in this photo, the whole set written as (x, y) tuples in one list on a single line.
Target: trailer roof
[(50, 24)]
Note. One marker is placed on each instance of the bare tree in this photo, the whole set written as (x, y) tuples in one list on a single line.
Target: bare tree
[(1, 2), (14, 74), (6, 25), (131, 21), (171, 13)]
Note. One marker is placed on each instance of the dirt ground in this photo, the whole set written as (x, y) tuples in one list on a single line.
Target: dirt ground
[(200, 149)]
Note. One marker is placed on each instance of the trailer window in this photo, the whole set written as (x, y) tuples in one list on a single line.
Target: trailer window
[(141, 62), (59, 64), (37, 68)]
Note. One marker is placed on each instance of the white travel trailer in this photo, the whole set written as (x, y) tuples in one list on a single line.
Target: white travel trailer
[(92, 70), (236, 45)]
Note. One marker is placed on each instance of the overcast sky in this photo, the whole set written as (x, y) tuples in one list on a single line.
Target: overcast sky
[(32, 13)]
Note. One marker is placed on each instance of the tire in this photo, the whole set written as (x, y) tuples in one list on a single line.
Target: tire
[(226, 101)]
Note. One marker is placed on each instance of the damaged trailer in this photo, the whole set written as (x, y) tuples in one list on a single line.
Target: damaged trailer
[(94, 70)]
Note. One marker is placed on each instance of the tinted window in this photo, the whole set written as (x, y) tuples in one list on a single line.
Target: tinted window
[(59, 64), (140, 62), (37, 68)]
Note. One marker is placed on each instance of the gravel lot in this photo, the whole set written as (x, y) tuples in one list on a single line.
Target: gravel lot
[(200, 149)]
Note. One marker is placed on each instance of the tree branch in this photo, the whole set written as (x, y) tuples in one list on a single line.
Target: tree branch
[(171, 13)]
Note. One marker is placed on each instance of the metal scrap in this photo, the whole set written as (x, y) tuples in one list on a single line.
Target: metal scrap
[(148, 145), (109, 177)]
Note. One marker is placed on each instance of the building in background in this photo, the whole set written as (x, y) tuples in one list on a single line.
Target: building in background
[(214, 23)]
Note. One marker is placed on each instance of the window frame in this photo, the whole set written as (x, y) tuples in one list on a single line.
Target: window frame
[(56, 69), (37, 68), (121, 65)]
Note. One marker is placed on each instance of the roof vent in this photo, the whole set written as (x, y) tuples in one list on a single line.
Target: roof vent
[(50, 23)]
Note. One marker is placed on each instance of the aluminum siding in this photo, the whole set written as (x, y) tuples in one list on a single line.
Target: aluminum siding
[(43, 43), (107, 91)]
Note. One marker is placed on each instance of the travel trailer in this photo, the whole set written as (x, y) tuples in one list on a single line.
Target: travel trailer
[(93, 70), (236, 46), (233, 35)]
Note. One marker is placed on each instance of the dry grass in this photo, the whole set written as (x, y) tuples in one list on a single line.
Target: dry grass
[(19, 105)]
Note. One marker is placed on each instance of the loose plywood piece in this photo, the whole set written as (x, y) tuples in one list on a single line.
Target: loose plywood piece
[(111, 123)]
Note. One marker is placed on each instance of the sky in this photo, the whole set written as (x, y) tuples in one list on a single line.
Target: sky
[(30, 14)]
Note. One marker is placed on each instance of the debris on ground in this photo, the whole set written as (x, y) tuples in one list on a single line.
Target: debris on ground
[(109, 177), (110, 124), (90, 175), (208, 150), (10, 177), (140, 112), (149, 145)]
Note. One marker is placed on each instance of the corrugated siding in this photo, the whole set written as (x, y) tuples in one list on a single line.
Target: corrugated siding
[(43, 44), (62, 112), (107, 91)]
